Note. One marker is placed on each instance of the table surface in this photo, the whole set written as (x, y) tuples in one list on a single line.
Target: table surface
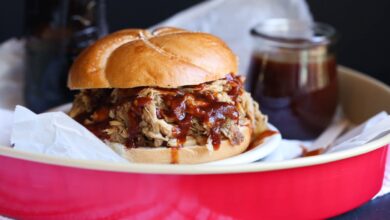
[(376, 209)]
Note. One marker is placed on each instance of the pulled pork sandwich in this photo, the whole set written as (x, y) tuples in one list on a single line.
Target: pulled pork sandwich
[(167, 96)]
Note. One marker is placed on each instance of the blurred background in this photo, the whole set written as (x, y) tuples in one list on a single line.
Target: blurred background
[(365, 36)]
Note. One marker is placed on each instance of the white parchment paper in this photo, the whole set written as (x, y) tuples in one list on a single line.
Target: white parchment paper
[(56, 134)]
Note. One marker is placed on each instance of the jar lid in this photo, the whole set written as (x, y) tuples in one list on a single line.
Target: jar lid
[(295, 33)]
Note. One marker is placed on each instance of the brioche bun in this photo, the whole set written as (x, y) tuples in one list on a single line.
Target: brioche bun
[(184, 155), (166, 57)]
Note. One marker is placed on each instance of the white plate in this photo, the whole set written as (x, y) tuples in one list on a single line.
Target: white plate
[(62, 108), (268, 145)]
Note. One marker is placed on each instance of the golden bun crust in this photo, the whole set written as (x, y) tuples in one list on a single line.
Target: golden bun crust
[(166, 57), (185, 155)]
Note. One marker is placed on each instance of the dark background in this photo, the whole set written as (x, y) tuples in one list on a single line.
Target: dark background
[(363, 25)]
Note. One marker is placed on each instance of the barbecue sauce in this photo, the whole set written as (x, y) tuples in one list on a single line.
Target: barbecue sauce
[(181, 108), (134, 118), (204, 107), (174, 155), (260, 138), (299, 97), (309, 153), (96, 121)]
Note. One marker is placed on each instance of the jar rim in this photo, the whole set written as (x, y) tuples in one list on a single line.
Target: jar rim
[(295, 33)]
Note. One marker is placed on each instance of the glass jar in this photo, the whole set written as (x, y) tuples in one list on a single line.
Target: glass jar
[(293, 75)]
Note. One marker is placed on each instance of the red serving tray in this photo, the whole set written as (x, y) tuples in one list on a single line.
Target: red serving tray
[(41, 187), (35, 190)]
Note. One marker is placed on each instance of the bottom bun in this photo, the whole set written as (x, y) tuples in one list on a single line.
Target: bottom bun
[(184, 155)]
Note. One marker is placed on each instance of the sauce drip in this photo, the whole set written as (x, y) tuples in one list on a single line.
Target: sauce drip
[(260, 138), (174, 155), (309, 153)]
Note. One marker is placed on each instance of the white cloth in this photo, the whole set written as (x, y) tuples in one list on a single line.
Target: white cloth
[(11, 73), (232, 20)]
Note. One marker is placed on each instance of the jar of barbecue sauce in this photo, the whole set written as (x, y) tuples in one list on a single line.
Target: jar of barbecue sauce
[(293, 75)]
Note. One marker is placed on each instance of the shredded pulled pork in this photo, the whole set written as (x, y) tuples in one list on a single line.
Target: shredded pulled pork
[(155, 117)]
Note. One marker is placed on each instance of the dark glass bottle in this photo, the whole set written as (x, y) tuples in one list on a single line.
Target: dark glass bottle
[(57, 31)]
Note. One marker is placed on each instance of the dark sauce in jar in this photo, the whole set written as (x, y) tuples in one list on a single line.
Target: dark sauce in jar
[(299, 96)]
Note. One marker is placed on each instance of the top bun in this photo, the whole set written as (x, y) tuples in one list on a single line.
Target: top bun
[(166, 57)]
